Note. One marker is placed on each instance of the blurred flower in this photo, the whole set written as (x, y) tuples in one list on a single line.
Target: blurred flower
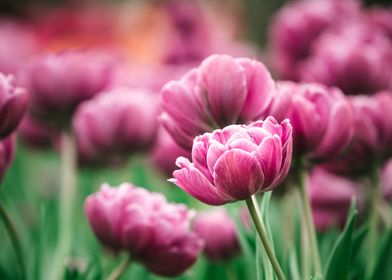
[(386, 180), (59, 82), (330, 197), (356, 57), (153, 231), (218, 231), (13, 105), (381, 18), (111, 126), (7, 147), (297, 25), (35, 133), (220, 92), (322, 118), (261, 150), (166, 151)]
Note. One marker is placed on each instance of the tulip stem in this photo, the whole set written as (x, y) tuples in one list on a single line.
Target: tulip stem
[(119, 270), (256, 217), (67, 200), (12, 233), (311, 232), (230, 271)]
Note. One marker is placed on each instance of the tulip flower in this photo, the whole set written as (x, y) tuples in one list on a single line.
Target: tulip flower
[(36, 134), (13, 105), (111, 126), (218, 231), (154, 232), (59, 82), (296, 27), (7, 147), (322, 118), (330, 197), (220, 92)]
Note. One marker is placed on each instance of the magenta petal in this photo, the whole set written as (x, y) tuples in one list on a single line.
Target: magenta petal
[(238, 174), (223, 83)]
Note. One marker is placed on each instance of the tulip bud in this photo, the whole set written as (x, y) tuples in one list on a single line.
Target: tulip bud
[(218, 231), (111, 126), (220, 92), (154, 232), (13, 105), (330, 197), (261, 150)]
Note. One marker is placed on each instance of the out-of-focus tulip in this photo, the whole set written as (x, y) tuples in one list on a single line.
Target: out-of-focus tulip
[(357, 58), (386, 180), (330, 197), (111, 126), (261, 150), (35, 133), (166, 151), (296, 27), (59, 82), (220, 92), (7, 147), (381, 17), (321, 117), (218, 231), (153, 231), (13, 105)]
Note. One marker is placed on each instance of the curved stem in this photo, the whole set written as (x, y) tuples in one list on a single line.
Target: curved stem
[(255, 214), (119, 270), (309, 220), (9, 226)]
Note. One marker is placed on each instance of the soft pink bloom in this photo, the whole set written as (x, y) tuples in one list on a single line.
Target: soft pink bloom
[(7, 147), (321, 117), (381, 17), (330, 197), (386, 180), (166, 151), (111, 126), (153, 231), (35, 133), (59, 82), (13, 105), (261, 150), (220, 92), (218, 231), (297, 25), (357, 58)]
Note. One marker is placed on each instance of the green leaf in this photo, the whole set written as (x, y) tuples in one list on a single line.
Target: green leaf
[(383, 258), (340, 258)]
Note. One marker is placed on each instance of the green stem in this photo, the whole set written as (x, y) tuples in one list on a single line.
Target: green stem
[(314, 250), (255, 214), (230, 271), (11, 230), (67, 195), (119, 270)]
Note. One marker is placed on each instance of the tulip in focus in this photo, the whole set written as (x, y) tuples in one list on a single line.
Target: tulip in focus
[(321, 117), (7, 148), (13, 105), (154, 232), (236, 162), (119, 122), (220, 92), (330, 197), (59, 82), (218, 231)]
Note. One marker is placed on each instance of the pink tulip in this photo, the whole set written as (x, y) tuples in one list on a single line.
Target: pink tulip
[(119, 122), (59, 82), (297, 25), (166, 151), (153, 231), (261, 150), (7, 147), (220, 92), (357, 58), (35, 133), (218, 231), (330, 197), (322, 118), (13, 105)]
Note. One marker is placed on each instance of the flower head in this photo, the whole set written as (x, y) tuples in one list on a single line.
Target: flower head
[(236, 162), (153, 231)]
